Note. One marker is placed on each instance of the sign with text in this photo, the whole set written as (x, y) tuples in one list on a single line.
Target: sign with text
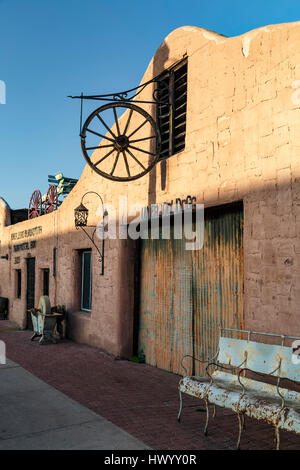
[(25, 246), (26, 233)]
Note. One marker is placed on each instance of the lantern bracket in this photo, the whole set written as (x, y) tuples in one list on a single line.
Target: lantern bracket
[(81, 217)]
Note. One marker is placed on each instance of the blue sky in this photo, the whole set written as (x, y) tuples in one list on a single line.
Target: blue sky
[(51, 49)]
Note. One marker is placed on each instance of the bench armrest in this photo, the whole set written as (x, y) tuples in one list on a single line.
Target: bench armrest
[(192, 357), (262, 375), (218, 365), (196, 359)]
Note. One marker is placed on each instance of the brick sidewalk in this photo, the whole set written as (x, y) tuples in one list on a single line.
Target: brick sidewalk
[(140, 399)]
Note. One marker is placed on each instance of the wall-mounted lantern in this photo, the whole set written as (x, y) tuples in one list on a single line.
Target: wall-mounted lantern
[(81, 214), (4, 257)]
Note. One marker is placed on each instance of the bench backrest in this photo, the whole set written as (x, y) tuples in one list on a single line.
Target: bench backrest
[(259, 357)]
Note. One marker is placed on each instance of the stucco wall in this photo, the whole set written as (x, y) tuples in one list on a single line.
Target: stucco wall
[(242, 143)]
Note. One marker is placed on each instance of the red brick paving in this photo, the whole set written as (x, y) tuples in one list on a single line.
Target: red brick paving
[(140, 399)]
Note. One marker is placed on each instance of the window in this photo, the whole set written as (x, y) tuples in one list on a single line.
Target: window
[(18, 283), (86, 280), (46, 276), (172, 119)]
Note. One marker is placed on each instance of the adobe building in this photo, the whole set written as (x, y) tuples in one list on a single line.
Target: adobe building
[(231, 141)]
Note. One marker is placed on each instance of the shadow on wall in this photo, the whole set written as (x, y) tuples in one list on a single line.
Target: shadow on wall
[(272, 260), (159, 62)]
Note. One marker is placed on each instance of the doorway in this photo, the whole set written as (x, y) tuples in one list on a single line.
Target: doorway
[(30, 289)]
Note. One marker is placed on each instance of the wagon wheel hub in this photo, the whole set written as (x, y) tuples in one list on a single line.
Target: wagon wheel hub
[(121, 143)]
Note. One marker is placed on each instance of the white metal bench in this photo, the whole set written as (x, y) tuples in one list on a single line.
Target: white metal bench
[(226, 384)]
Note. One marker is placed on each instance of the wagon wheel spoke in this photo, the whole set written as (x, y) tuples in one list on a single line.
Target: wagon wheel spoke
[(128, 121), (106, 126), (100, 135), (126, 163), (141, 150), (138, 128), (115, 164), (105, 156), (131, 154), (99, 147), (117, 122), (144, 138)]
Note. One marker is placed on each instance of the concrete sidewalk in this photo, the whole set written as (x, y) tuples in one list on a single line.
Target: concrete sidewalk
[(36, 416)]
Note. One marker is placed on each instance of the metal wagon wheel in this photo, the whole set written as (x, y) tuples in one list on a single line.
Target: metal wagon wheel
[(35, 205), (51, 201), (124, 154)]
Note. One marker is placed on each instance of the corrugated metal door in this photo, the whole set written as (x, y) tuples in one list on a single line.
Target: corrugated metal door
[(185, 296)]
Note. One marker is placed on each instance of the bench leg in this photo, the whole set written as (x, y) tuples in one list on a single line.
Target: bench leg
[(277, 438), (241, 418), (283, 410), (207, 417), (180, 406), (243, 421), (35, 335)]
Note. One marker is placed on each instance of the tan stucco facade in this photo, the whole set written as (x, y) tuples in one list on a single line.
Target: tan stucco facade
[(242, 144)]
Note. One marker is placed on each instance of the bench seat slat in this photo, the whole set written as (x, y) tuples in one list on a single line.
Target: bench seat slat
[(253, 388)]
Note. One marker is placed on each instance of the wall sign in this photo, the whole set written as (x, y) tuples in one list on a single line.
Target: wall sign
[(167, 208), (26, 233), (25, 246)]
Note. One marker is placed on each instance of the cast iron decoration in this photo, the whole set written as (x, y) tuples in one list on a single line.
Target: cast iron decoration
[(81, 214), (128, 154), (35, 205), (39, 205), (60, 186), (51, 201)]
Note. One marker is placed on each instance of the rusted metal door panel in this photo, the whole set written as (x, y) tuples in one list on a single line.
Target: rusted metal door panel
[(186, 295), (166, 303), (218, 280)]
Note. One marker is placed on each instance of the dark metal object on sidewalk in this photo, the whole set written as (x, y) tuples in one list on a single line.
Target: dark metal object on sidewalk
[(45, 319)]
